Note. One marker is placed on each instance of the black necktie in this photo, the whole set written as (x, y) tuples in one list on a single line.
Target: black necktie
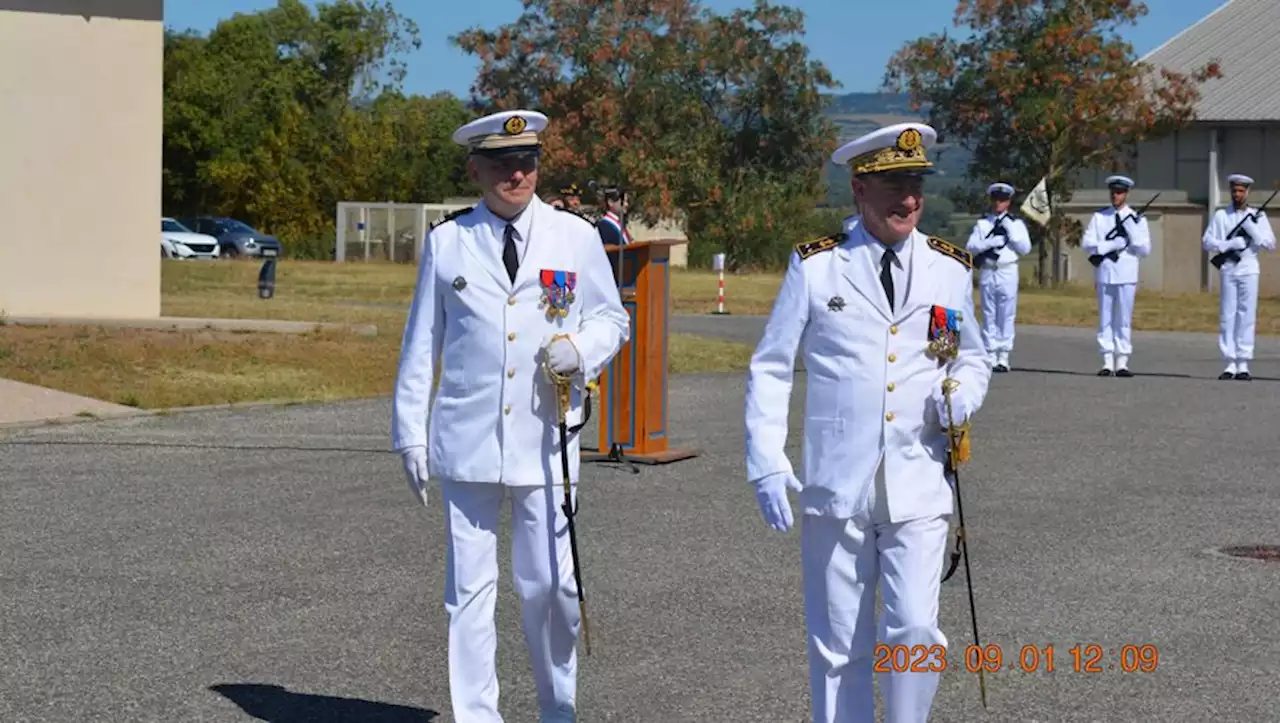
[(886, 274), (509, 252)]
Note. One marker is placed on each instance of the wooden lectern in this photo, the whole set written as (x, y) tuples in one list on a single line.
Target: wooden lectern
[(632, 396)]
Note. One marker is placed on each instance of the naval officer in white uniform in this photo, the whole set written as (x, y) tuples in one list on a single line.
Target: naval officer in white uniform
[(504, 287), (1233, 239), (996, 243), (861, 306), (1116, 239)]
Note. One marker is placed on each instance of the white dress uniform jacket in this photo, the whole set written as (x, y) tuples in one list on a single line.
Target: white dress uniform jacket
[(480, 335), (869, 382), (1215, 240), (1124, 270)]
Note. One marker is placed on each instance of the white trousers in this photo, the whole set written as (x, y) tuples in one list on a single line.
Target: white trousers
[(542, 569), (843, 561), (999, 290), (1115, 318), (1237, 317)]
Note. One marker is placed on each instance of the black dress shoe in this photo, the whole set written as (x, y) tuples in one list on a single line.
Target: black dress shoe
[(1244, 376), (1123, 373), (1104, 372), (1000, 368)]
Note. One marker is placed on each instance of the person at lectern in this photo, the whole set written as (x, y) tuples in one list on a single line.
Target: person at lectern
[(613, 225), (504, 288)]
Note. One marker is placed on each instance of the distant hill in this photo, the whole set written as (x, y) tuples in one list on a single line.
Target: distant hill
[(855, 114)]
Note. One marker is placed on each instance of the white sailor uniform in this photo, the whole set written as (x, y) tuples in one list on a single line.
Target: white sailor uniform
[(1233, 240), (1117, 239), (996, 243)]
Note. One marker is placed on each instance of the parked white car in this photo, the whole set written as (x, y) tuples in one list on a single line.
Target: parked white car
[(179, 242)]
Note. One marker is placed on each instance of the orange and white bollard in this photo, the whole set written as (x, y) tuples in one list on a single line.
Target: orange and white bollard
[(717, 263)]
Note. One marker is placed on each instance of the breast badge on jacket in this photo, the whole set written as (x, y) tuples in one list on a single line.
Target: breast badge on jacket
[(944, 334), (557, 291)]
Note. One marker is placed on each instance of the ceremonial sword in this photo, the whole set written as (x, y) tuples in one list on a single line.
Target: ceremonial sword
[(954, 457), (562, 385)]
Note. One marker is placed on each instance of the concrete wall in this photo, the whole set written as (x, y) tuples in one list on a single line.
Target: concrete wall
[(80, 157)]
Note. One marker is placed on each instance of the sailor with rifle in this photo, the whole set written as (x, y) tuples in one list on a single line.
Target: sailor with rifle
[(1116, 239), (996, 242), (1234, 237)]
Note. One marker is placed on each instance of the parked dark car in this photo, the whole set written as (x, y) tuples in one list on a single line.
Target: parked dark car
[(235, 238)]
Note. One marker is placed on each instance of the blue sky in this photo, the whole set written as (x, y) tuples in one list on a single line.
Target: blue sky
[(853, 38)]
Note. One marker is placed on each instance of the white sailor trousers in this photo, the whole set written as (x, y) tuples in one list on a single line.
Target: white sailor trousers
[(999, 290), (1237, 316), (1115, 318), (542, 570), (843, 561)]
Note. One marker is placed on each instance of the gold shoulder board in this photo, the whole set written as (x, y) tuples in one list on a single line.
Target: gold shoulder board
[(826, 243), (947, 249), (579, 214), (452, 215)]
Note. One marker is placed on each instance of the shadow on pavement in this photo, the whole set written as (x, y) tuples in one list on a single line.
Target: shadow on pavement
[(1136, 374), (275, 704)]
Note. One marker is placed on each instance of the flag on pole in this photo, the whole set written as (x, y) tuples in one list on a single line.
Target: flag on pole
[(1036, 205)]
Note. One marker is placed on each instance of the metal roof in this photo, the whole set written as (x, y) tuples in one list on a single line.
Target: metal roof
[(1244, 37)]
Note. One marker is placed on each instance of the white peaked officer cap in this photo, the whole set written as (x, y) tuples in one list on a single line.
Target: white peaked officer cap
[(897, 149), (1240, 178), (1122, 183), (999, 189), (500, 133)]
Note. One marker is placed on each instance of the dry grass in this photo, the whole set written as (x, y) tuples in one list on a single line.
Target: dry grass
[(695, 293), (155, 369), (159, 369)]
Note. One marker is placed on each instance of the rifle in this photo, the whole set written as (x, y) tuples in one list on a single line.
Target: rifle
[(1096, 259), (1233, 254), (991, 254)]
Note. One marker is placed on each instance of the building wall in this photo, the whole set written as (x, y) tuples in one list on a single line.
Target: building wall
[(80, 157)]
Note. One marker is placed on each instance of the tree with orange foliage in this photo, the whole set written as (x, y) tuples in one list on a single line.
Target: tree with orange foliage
[(714, 117), (1044, 88)]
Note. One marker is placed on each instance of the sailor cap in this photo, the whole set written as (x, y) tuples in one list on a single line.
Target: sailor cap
[(503, 132), (1002, 189), (899, 148), (1240, 178), (1123, 183)]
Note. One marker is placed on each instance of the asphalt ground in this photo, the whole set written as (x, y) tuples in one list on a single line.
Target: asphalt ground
[(269, 564)]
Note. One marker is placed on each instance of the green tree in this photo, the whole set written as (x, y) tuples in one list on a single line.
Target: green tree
[(276, 116), (716, 118), (1044, 88)]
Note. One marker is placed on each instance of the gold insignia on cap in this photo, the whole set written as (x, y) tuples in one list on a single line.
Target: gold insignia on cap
[(905, 154), (909, 140), (515, 125)]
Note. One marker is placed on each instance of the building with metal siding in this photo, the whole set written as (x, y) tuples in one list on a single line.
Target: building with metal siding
[(1237, 131)]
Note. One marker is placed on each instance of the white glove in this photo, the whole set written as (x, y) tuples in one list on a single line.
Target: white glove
[(960, 410), (415, 469), (562, 355), (771, 493)]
